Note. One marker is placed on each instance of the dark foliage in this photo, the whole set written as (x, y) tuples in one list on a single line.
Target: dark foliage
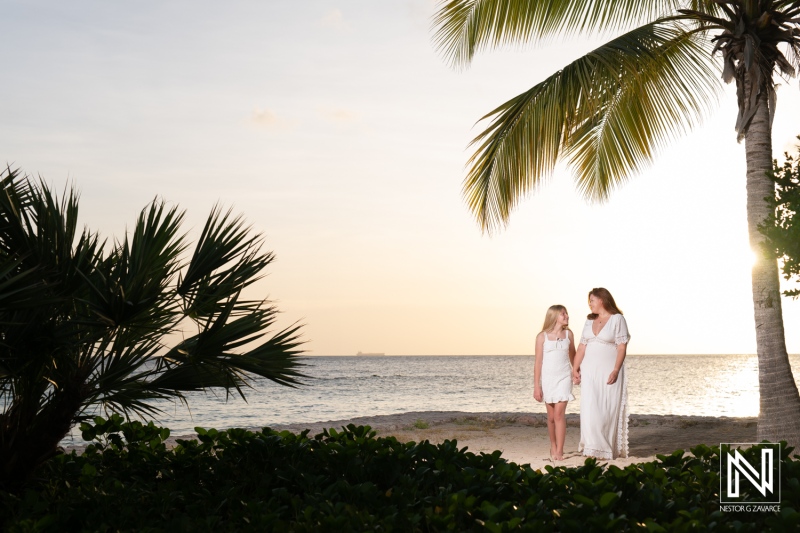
[(88, 324), (238, 480), (782, 231)]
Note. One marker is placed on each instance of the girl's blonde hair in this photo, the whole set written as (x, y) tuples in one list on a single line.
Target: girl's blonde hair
[(551, 317)]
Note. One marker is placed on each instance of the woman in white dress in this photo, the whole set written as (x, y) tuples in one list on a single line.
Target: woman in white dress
[(599, 369), (552, 375)]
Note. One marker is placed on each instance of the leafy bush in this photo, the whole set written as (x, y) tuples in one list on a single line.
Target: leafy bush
[(350, 480), (782, 228)]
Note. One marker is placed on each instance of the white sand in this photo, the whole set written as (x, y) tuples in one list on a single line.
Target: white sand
[(523, 438)]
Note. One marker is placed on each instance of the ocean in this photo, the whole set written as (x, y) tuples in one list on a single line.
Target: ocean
[(340, 388)]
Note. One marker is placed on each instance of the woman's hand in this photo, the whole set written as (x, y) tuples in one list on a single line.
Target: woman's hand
[(612, 377), (537, 394), (576, 375)]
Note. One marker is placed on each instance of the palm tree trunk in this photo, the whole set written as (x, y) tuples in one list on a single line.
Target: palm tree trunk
[(29, 437), (779, 414)]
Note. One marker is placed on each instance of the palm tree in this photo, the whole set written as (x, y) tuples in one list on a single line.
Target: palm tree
[(607, 112), (87, 324)]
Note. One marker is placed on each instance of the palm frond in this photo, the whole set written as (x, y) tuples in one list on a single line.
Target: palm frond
[(607, 112), (275, 359), (120, 360), (464, 27), (83, 326), (130, 288), (215, 352), (19, 287), (194, 377), (226, 260), (671, 94)]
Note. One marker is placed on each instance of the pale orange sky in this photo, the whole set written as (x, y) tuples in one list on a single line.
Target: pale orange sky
[(338, 131)]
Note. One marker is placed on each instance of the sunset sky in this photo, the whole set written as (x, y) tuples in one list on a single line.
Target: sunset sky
[(340, 132)]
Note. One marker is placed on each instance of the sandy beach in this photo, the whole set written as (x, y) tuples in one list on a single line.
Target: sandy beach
[(523, 438)]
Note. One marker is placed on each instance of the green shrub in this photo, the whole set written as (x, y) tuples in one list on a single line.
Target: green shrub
[(350, 480)]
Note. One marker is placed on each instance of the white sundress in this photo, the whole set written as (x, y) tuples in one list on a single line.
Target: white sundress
[(556, 370), (604, 407)]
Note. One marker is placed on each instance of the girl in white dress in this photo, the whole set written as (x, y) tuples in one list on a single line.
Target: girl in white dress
[(599, 369), (552, 379)]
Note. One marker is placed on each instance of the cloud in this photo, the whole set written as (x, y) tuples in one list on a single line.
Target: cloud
[(333, 19), (339, 115), (266, 118)]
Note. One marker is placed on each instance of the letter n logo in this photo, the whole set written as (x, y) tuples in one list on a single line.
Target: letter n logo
[(736, 473)]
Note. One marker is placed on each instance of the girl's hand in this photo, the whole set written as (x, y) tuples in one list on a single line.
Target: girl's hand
[(576, 376), (612, 377), (537, 394)]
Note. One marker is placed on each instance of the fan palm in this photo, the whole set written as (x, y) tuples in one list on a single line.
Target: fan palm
[(87, 324), (607, 113)]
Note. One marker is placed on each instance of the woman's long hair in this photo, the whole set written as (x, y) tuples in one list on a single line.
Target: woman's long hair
[(551, 317), (608, 302)]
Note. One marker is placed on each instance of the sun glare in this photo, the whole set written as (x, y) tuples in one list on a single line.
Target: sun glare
[(750, 258)]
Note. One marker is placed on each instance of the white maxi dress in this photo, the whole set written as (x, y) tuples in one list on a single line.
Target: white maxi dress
[(556, 370), (604, 407)]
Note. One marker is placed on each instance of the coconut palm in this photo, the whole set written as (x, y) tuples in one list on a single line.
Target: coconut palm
[(608, 112), (88, 324)]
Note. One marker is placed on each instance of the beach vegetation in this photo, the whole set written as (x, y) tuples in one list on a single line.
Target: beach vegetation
[(351, 480), (491, 422), (609, 112), (421, 424), (88, 324), (782, 229)]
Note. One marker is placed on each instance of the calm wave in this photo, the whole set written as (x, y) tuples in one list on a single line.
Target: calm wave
[(340, 388)]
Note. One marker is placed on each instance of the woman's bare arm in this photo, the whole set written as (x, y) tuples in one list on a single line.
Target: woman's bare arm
[(622, 350)]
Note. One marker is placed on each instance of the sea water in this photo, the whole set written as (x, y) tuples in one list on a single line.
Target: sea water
[(340, 388)]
